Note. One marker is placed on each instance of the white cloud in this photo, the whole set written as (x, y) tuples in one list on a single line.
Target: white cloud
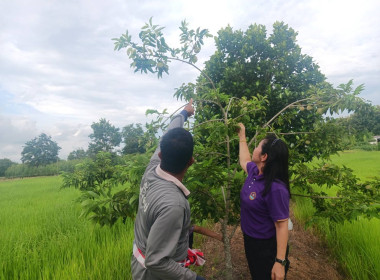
[(15, 132), (59, 72)]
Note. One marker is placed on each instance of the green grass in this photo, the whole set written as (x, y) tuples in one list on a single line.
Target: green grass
[(41, 236), (365, 164), (355, 245)]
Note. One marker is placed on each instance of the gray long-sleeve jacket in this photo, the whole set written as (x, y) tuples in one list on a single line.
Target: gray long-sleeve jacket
[(162, 223)]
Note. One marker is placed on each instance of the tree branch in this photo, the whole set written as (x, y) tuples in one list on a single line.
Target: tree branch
[(211, 101), (216, 153), (216, 120), (209, 195), (316, 196), (233, 231), (286, 107), (229, 104), (244, 114), (202, 72), (291, 133), (275, 116)]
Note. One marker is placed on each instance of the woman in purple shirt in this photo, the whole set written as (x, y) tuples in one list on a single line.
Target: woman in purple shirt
[(264, 201)]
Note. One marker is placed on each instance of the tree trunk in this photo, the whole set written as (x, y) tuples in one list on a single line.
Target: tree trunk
[(227, 250), (226, 236)]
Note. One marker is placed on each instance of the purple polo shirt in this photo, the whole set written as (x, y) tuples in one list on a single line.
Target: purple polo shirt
[(259, 213)]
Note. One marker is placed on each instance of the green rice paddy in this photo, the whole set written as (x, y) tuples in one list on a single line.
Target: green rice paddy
[(41, 236), (355, 245)]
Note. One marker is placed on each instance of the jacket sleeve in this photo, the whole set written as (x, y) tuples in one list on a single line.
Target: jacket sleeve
[(177, 121), (162, 243)]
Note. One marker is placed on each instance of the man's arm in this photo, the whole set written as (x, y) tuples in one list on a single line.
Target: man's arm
[(177, 121), (207, 232)]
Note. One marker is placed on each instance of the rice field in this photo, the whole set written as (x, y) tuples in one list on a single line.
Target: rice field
[(42, 236), (355, 245)]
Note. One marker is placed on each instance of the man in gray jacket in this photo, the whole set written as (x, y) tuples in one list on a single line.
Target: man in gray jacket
[(163, 218)]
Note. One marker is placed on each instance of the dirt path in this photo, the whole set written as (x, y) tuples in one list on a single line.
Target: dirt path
[(309, 258)]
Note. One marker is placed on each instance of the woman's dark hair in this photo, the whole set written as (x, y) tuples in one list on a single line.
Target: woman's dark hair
[(276, 166), (176, 150)]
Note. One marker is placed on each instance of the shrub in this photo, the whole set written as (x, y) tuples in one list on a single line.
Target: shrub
[(366, 146), (25, 170)]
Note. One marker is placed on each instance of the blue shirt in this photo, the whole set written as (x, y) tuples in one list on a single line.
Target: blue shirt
[(259, 213)]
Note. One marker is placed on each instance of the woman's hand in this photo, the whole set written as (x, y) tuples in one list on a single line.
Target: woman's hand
[(241, 132), (244, 156), (278, 271)]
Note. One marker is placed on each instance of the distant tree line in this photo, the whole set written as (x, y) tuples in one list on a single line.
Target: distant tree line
[(356, 131), (4, 165), (39, 156), (360, 127)]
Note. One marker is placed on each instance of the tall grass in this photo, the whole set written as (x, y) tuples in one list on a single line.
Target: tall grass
[(41, 236), (356, 245)]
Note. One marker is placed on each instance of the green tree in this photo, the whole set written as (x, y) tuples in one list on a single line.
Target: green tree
[(4, 165), (97, 178), (105, 137), (251, 63), (40, 151), (77, 154), (132, 139), (265, 79), (360, 127), (364, 121)]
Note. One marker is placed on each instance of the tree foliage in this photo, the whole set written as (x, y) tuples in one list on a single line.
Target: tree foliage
[(250, 63), (132, 135), (110, 188), (5, 163), (97, 178), (353, 199), (154, 54), (40, 151), (105, 137), (77, 154), (363, 122)]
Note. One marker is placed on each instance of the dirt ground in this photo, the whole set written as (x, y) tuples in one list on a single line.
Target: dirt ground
[(309, 258)]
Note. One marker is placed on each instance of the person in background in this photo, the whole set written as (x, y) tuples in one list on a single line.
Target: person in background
[(264, 201), (162, 225)]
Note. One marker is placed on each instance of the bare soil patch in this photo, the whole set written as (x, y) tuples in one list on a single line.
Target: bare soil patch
[(309, 257)]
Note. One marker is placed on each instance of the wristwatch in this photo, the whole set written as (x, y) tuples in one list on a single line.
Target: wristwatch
[(282, 262)]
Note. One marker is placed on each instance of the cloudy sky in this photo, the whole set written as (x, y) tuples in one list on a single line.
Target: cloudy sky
[(59, 72)]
